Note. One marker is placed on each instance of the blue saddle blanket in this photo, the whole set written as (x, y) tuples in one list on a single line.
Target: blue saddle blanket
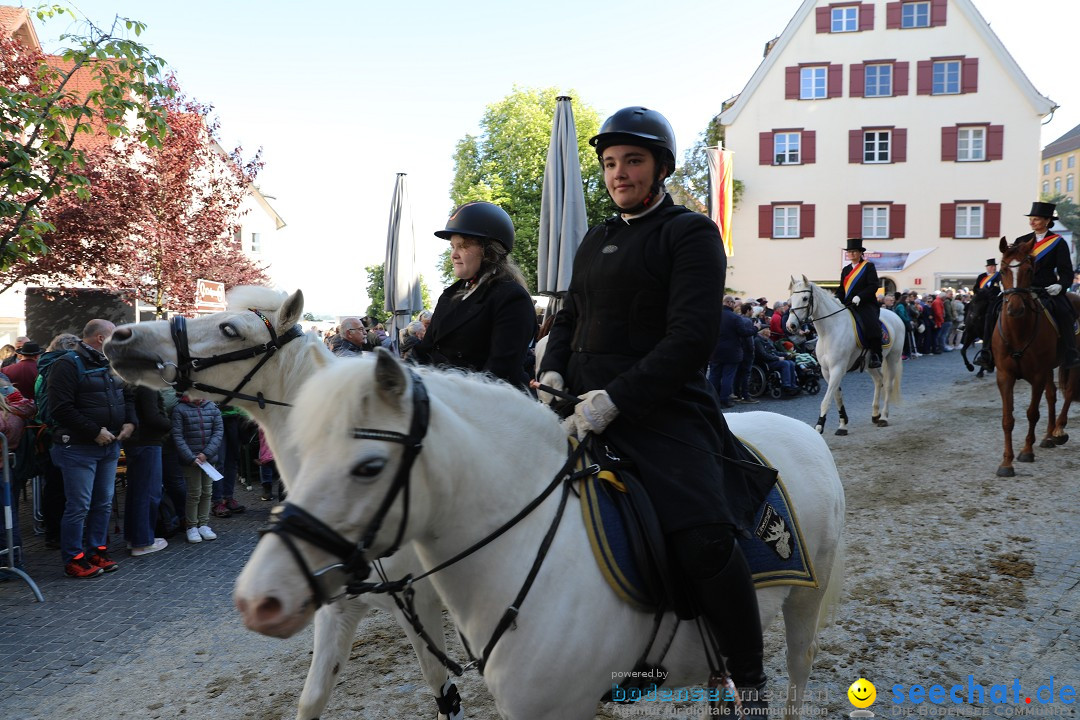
[(775, 550), (860, 334)]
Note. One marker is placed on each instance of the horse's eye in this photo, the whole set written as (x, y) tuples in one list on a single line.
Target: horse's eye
[(229, 331), (369, 468)]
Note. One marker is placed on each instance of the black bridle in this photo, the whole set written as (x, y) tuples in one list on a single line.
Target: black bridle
[(1028, 300), (186, 366), (809, 307)]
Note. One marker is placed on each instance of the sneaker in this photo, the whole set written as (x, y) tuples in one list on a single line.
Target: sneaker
[(267, 492), (221, 510), (749, 401), (193, 535), (159, 544), (234, 507), (100, 558), (80, 567), (206, 533)]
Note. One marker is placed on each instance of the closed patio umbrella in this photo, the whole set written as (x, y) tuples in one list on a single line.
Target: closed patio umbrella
[(401, 287)]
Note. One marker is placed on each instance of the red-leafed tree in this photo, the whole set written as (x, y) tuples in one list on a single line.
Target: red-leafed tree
[(157, 220)]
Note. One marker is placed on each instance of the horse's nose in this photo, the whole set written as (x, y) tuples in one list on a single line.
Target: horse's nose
[(121, 334)]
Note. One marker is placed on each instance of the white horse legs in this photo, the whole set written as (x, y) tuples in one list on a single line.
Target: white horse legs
[(832, 390)]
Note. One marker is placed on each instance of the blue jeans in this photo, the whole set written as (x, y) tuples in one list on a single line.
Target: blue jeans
[(722, 376), (742, 378), (787, 372), (942, 336), (143, 493), (89, 481), (172, 481)]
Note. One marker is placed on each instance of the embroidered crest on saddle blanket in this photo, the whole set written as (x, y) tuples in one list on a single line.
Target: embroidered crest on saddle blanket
[(775, 552), (860, 336)]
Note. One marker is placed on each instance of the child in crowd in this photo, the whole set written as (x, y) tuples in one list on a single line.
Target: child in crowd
[(198, 432), (267, 468)]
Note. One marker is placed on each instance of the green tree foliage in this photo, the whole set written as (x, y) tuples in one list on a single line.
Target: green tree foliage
[(504, 165), (689, 184), (1068, 213), (41, 116), (377, 296)]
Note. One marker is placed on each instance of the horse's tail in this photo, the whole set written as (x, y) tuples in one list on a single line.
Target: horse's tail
[(834, 586)]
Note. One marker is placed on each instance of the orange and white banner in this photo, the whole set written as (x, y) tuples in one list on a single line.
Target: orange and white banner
[(722, 187)]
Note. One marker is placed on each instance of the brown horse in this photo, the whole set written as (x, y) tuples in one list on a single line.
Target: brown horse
[(1024, 344)]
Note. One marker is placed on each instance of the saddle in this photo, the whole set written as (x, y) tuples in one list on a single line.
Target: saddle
[(860, 333)]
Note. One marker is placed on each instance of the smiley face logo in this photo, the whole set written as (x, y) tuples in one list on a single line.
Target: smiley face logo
[(862, 693)]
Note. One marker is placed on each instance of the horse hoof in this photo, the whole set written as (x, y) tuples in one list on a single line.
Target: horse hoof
[(1047, 443), (875, 419), (841, 431), (1026, 457), (820, 429), (883, 423), (1061, 439), (1006, 472)]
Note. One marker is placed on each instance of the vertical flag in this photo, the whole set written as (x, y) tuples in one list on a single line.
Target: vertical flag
[(721, 188)]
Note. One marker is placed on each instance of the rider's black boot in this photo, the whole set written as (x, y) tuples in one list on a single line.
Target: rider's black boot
[(1072, 356), (874, 361), (984, 359)]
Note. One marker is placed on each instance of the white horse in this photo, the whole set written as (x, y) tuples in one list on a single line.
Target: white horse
[(142, 352), (489, 450), (837, 351)]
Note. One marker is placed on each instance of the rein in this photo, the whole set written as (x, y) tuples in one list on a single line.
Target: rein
[(186, 366), (1033, 293), (809, 307), (290, 522)]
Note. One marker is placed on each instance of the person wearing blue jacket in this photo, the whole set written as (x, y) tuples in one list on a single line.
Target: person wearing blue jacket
[(199, 433)]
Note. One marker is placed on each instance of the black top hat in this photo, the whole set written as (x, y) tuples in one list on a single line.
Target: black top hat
[(854, 244), (1043, 210), (29, 348), (991, 261)]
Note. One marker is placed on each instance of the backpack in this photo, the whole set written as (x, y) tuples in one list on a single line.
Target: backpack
[(41, 385)]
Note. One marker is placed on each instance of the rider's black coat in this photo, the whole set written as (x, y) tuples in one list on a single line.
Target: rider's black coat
[(865, 288), (640, 319)]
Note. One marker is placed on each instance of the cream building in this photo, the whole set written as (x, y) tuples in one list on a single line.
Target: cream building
[(1058, 170), (905, 123)]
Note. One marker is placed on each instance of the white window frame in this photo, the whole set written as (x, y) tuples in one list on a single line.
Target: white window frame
[(1046, 168), (787, 148), (883, 76), (1069, 184), (875, 222), (1057, 165), (877, 147), (1046, 186), (915, 14), (971, 144), (969, 221), (256, 242), (845, 19), (949, 72), (1057, 186), (814, 82), (786, 221), (1070, 162)]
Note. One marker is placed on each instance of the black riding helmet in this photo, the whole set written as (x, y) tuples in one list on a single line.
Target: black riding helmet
[(638, 126), (481, 220)]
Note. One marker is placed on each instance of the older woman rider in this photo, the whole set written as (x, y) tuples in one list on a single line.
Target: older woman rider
[(657, 264)]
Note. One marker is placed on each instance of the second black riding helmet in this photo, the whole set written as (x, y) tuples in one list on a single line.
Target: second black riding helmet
[(482, 220), (637, 126)]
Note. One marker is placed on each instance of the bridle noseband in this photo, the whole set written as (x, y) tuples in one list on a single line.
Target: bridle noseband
[(186, 366)]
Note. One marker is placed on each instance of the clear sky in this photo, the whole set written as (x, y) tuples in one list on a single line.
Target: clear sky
[(342, 95)]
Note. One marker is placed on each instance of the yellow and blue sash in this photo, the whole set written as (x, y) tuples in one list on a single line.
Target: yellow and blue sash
[(989, 280), (853, 277), (1044, 246)]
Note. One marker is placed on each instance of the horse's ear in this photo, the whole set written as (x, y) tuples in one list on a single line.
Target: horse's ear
[(389, 376), (1003, 246), (791, 285), (291, 310), (805, 281)]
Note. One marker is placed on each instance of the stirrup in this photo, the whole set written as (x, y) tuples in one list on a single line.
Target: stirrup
[(739, 704)]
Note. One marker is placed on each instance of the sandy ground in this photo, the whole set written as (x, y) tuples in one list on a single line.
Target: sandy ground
[(951, 572)]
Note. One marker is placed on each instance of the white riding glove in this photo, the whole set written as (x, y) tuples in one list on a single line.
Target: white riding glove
[(1053, 289), (553, 380), (855, 300), (593, 414)]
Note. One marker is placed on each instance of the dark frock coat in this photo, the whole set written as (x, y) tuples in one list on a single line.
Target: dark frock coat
[(1054, 267), (640, 319), (488, 331), (866, 288)]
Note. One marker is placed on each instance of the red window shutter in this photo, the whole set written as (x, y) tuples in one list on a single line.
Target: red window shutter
[(866, 16), (765, 148), (950, 137), (969, 75), (857, 80), (809, 147), (892, 16), (995, 142), (807, 215), (992, 226), (948, 220), (925, 77), (791, 83), (764, 221), (855, 142), (899, 145), (854, 221), (900, 78), (836, 80), (937, 12), (897, 221), (824, 19)]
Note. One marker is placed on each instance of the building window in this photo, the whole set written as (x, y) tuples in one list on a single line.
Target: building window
[(915, 15), (946, 78), (1045, 187), (845, 19), (812, 83), (1057, 186), (1046, 168), (876, 146), (256, 242), (786, 221), (971, 144), (786, 148), (1069, 183), (878, 80), (1057, 165), (1071, 161), (969, 221), (875, 221)]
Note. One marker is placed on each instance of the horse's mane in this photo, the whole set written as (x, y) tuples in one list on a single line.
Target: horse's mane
[(242, 297)]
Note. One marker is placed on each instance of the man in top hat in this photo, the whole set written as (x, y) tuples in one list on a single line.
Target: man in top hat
[(989, 279), (1053, 271), (858, 290), (23, 373)]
